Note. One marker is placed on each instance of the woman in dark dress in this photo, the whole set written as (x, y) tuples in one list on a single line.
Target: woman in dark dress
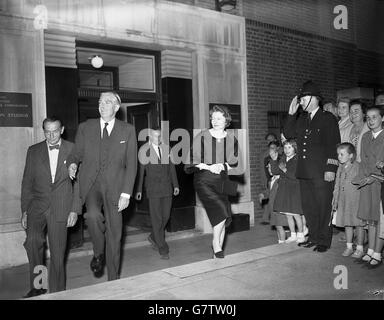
[(215, 154)]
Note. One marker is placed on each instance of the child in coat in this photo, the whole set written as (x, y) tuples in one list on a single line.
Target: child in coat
[(288, 198), (372, 152), (345, 202), (278, 220)]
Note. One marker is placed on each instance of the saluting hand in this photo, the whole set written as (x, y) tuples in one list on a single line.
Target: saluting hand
[(294, 106)]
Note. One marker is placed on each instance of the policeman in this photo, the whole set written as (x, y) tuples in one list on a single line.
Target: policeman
[(317, 134)]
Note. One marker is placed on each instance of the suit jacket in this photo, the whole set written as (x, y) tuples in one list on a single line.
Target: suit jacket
[(316, 143), (159, 179), (372, 151), (38, 193), (120, 171)]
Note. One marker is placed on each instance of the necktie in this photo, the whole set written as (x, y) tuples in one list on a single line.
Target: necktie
[(158, 148), (105, 132), (56, 146)]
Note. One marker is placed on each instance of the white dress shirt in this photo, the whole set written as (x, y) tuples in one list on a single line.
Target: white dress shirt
[(375, 134), (156, 148), (53, 156), (110, 126), (312, 113)]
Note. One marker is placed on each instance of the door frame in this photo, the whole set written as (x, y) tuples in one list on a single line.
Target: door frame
[(129, 95)]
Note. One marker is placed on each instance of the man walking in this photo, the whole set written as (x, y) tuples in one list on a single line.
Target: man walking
[(50, 201), (159, 176), (317, 135), (106, 148)]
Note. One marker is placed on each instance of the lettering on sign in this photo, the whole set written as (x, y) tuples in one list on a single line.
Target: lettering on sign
[(15, 109)]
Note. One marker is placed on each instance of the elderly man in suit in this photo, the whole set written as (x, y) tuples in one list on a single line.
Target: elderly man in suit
[(317, 135), (159, 176), (106, 150), (49, 200)]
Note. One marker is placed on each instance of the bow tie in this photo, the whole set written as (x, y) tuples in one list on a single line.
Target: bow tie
[(56, 146)]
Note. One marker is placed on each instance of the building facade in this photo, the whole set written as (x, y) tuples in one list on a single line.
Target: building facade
[(173, 59)]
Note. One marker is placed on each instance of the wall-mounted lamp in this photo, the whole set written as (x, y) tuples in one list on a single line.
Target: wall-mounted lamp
[(225, 5), (96, 61)]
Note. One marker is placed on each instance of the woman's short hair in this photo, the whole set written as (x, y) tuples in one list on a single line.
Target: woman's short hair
[(350, 149), (345, 100), (225, 112), (359, 102), (291, 142)]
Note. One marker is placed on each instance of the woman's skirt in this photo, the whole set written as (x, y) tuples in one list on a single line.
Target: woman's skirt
[(216, 204)]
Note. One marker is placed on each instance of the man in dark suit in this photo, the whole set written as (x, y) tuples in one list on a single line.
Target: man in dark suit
[(317, 135), (106, 148), (159, 176), (49, 200)]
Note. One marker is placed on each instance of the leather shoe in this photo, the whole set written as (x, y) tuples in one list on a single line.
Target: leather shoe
[(97, 264), (320, 248), (164, 256), (34, 293), (307, 244)]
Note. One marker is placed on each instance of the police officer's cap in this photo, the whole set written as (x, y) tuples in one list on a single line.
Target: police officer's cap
[(309, 88)]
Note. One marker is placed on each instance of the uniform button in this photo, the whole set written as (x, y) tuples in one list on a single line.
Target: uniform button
[(305, 137), (304, 150), (304, 157), (304, 143)]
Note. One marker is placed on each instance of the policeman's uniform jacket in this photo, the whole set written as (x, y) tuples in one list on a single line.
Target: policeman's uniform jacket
[(316, 143)]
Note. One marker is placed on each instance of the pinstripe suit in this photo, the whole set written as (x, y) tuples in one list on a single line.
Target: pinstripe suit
[(48, 205)]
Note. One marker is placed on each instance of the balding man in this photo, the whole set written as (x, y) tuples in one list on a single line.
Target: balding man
[(160, 180), (106, 148)]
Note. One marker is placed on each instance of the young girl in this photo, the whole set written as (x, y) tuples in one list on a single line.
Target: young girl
[(372, 152), (278, 220), (346, 198), (288, 199), (264, 196)]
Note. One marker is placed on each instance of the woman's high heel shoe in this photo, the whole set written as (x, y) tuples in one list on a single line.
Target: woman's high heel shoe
[(218, 254)]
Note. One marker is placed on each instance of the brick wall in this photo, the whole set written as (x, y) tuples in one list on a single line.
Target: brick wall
[(279, 60), (311, 16)]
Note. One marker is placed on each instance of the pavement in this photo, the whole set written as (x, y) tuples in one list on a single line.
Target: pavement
[(255, 267)]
